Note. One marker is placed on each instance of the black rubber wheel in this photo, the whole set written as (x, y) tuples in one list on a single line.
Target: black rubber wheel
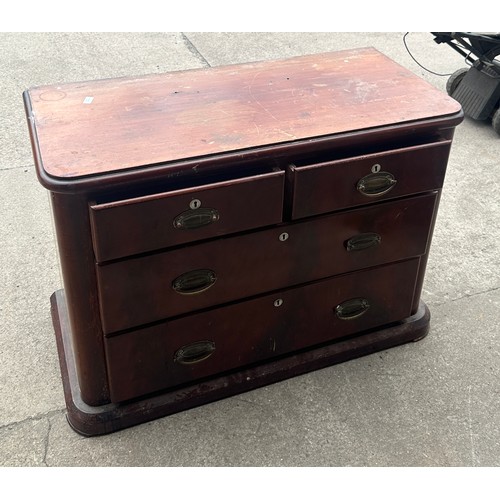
[(455, 80), (495, 121)]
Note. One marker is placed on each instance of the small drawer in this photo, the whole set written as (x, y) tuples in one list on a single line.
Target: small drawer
[(333, 185), (137, 291), (128, 227), (204, 344)]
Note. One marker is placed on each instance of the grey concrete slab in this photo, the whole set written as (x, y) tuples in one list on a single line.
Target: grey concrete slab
[(29, 273), (31, 59), (430, 403), (465, 253), (24, 444), (435, 401)]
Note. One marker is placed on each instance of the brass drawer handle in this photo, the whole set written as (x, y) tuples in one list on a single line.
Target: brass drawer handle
[(195, 281), (352, 309), (376, 184), (363, 241), (195, 352), (193, 219)]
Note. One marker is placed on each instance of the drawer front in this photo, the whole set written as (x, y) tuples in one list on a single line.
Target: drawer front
[(207, 343), (137, 291), (335, 185), (138, 225)]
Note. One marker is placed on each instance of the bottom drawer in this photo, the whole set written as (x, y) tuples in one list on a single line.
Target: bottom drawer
[(225, 338)]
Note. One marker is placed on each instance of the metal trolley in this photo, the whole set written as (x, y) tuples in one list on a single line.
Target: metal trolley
[(476, 88)]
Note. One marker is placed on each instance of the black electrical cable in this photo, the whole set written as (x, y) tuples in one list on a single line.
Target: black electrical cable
[(423, 67)]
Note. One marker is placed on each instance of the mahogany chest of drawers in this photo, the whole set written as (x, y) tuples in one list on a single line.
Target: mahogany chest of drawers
[(225, 228)]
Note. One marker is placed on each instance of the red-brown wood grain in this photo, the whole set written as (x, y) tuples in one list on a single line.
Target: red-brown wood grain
[(97, 127), (139, 290), (95, 420), (415, 169), (242, 204), (143, 361), (274, 147), (71, 220)]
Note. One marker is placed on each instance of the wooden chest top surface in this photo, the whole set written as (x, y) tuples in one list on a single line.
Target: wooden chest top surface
[(103, 126)]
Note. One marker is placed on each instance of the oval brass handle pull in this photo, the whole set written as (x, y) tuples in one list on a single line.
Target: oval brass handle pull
[(363, 241), (193, 219), (195, 281), (195, 352), (376, 184), (352, 309)]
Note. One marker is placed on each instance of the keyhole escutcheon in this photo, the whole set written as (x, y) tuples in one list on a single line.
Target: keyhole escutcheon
[(194, 204)]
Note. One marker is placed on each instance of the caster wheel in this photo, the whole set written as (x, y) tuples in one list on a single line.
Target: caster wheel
[(455, 79), (495, 121)]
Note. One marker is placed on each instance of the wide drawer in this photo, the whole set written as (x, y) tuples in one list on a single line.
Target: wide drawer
[(137, 225), (137, 291), (204, 344), (333, 185)]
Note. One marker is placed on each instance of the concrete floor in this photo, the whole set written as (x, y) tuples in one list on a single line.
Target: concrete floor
[(431, 403)]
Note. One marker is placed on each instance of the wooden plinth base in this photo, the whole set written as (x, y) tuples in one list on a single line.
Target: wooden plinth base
[(96, 420)]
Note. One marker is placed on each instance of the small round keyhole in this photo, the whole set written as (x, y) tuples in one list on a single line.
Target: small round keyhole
[(278, 302), (376, 168), (194, 204), (283, 236)]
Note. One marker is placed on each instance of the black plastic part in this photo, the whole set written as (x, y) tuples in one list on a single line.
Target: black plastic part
[(478, 93), (495, 121)]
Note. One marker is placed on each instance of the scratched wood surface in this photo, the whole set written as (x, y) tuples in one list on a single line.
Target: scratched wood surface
[(95, 127)]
